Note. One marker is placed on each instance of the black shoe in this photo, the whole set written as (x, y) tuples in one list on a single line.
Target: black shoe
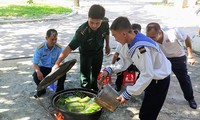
[(96, 89), (36, 95), (39, 94), (192, 103)]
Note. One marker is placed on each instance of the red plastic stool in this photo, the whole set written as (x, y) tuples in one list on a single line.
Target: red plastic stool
[(129, 78), (106, 80)]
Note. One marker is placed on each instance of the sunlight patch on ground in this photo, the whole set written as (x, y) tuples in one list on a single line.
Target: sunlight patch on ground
[(4, 87), (192, 112), (24, 118), (25, 62), (14, 51), (6, 47), (22, 31), (134, 113), (27, 82), (23, 72), (6, 101), (133, 109), (3, 93), (8, 68), (174, 16), (4, 110)]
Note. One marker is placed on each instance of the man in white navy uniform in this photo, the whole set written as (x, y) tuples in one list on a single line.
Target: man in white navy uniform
[(154, 67), (117, 58), (169, 41)]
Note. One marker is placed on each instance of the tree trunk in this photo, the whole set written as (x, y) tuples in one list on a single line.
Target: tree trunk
[(76, 3), (180, 3)]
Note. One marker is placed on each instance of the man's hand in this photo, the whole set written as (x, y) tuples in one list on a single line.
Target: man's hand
[(104, 74), (107, 48), (191, 60), (100, 84), (121, 99), (40, 75), (55, 67)]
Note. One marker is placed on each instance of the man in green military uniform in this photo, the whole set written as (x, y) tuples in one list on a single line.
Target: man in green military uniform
[(90, 39)]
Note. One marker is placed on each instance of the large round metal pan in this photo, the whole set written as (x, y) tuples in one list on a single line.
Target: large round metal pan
[(71, 115)]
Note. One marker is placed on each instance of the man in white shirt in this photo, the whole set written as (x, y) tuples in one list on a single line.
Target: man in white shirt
[(118, 57), (154, 67), (169, 41)]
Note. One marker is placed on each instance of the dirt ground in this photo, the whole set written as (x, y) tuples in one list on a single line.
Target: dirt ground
[(17, 89)]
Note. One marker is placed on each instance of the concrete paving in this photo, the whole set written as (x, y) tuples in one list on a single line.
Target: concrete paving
[(19, 38)]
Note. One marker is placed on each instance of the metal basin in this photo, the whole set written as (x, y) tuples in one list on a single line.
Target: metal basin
[(107, 98)]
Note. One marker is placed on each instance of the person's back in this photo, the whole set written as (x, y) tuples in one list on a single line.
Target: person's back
[(172, 42)]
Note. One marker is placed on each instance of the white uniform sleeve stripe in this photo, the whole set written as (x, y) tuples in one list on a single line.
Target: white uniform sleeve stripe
[(126, 95), (108, 69)]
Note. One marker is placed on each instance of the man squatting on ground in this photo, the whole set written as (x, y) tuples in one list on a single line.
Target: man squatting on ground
[(90, 39), (154, 67), (45, 56), (117, 57), (169, 41)]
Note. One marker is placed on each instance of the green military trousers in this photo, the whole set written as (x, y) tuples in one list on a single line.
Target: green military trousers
[(90, 66)]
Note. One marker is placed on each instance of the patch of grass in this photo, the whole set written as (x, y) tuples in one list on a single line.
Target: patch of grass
[(32, 10)]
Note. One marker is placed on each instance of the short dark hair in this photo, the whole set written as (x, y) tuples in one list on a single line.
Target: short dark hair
[(154, 26), (51, 31), (96, 12), (136, 26), (121, 23)]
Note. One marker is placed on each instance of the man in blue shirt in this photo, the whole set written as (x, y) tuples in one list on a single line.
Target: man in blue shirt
[(44, 58)]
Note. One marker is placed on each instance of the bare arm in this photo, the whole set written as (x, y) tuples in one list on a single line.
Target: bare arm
[(188, 44), (63, 55), (115, 56), (107, 48)]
